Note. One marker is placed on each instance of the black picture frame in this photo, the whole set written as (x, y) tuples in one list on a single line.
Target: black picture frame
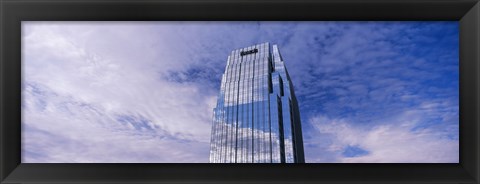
[(12, 12)]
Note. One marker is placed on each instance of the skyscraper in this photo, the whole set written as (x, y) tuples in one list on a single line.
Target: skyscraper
[(256, 119)]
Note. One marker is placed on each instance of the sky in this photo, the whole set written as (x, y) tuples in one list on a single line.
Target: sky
[(144, 92)]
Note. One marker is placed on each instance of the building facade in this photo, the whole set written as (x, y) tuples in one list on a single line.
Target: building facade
[(256, 118)]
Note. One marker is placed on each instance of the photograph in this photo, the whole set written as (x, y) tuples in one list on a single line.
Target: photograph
[(240, 92)]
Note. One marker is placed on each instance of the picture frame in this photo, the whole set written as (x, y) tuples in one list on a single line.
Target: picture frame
[(13, 12)]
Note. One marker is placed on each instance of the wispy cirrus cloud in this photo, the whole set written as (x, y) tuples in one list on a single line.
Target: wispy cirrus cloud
[(397, 82), (105, 99)]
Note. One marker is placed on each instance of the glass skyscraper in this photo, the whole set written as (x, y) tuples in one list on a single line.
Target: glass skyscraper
[(256, 118)]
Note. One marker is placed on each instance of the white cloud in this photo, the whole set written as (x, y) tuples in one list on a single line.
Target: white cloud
[(89, 75), (394, 141)]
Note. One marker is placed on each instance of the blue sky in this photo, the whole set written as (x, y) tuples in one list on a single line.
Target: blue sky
[(144, 91)]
